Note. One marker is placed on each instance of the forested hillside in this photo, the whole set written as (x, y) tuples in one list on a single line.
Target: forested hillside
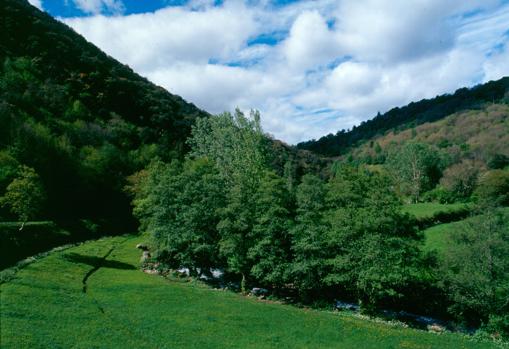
[(481, 135), (451, 157), (414, 114), (75, 122)]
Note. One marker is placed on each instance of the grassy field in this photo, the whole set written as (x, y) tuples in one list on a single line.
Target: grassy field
[(429, 209), (435, 237), (47, 306)]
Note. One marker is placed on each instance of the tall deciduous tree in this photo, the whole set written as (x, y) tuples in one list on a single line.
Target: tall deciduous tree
[(179, 204), (416, 167), (236, 144), (271, 251), (475, 268), (372, 248), (309, 236), (461, 179), (25, 195)]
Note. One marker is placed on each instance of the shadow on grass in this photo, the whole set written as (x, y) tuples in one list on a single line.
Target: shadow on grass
[(97, 261)]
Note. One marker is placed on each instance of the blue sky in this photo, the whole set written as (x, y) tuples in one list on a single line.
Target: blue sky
[(310, 67)]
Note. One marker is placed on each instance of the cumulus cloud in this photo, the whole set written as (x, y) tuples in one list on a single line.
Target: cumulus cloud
[(310, 42), (151, 41), (310, 67)]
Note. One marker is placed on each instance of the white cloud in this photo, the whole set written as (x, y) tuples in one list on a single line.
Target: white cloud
[(36, 3), (153, 40), (497, 65), (213, 87), (100, 6), (310, 42), (334, 63)]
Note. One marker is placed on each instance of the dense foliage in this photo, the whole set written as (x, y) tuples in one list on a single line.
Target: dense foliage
[(345, 234), (475, 271), (461, 158), (75, 122)]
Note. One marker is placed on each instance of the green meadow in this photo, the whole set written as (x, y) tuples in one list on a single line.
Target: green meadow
[(48, 305), (436, 237), (429, 209)]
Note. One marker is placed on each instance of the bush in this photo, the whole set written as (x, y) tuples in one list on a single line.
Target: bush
[(494, 188), (497, 327), (440, 195), (461, 179), (475, 270), (498, 161)]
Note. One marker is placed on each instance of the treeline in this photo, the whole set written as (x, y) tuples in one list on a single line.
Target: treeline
[(415, 113), (314, 239)]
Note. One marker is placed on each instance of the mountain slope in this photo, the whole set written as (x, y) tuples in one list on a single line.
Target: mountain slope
[(101, 83), (415, 113), (79, 118), (480, 135)]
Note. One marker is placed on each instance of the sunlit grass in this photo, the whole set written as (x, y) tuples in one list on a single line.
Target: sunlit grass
[(429, 209), (45, 307), (436, 237)]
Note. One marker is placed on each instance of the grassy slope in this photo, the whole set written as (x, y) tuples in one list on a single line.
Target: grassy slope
[(46, 307), (435, 237), (429, 209)]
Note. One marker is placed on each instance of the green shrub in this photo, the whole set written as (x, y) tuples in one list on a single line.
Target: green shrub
[(474, 270), (497, 327), (493, 188), (439, 194)]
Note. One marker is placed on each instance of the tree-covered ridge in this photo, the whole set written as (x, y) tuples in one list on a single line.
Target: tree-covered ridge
[(446, 160), (102, 84), (80, 121), (415, 113), (480, 135)]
